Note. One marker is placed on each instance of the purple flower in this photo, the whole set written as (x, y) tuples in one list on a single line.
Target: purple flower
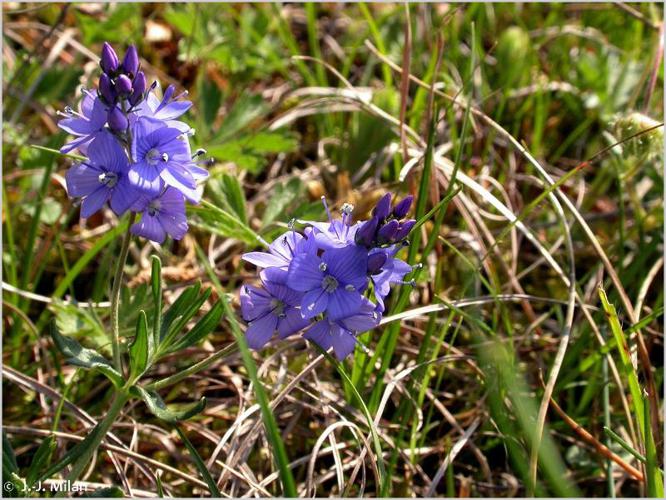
[(274, 307), (86, 125), (162, 158), (402, 208), (166, 110), (392, 270), (162, 216), (341, 333), (336, 233), (131, 61), (281, 251), (102, 178), (109, 59), (332, 283)]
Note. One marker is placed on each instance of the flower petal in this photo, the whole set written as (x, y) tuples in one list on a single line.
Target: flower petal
[(173, 110), (343, 342), (105, 151), (314, 302), (349, 265), (255, 302), (305, 273), (263, 259), (260, 331), (343, 303), (291, 323), (123, 196), (82, 179), (319, 334), (150, 228), (174, 224), (94, 201), (145, 177)]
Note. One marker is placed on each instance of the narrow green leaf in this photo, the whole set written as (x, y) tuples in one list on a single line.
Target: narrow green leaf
[(624, 444), (281, 196), (246, 109), (627, 366), (192, 308), (41, 459), (200, 465), (75, 452), (203, 327), (56, 152), (235, 196), (85, 358), (139, 350), (178, 308), (9, 464), (218, 221), (156, 286), (173, 413), (653, 476)]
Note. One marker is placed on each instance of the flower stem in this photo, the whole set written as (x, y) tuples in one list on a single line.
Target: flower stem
[(115, 295), (96, 436)]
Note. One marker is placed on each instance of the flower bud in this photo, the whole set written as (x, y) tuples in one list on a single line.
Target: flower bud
[(166, 97), (383, 207), (106, 89), (387, 232), (131, 61), (123, 85), (401, 209), (375, 262), (109, 59), (404, 229), (117, 120), (139, 87), (366, 233)]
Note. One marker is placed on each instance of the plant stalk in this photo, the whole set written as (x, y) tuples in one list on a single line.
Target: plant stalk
[(115, 295), (96, 436)]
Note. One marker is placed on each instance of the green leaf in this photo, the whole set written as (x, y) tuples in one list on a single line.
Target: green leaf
[(174, 413), (75, 452), (178, 308), (50, 211), (185, 311), (281, 197), (140, 348), (218, 221), (41, 459), (201, 466), (9, 464), (85, 358), (156, 286), (248, 152), (225, 190), (653, 477), (246, 109), (203, 327), (211, 100)]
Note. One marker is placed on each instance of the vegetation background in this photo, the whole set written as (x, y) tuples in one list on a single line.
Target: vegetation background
[(296, 101)]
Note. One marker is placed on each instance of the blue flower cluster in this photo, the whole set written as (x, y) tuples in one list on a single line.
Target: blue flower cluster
[(325, 280), (138, 153)]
